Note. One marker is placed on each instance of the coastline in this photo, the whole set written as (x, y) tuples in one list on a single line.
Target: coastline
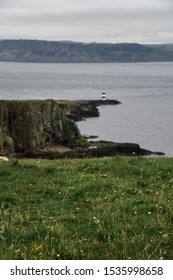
[(54, 132), (80, 110)]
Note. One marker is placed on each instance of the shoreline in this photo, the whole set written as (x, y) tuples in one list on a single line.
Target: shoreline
[(79, 147), (98, 149), (79, 110)]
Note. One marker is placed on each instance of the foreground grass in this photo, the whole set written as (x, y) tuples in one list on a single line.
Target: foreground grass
[(110, 208)]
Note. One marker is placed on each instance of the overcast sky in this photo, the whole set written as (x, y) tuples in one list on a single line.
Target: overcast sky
[(142, 21)]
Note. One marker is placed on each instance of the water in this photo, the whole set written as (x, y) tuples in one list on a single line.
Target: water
[(145, 90)]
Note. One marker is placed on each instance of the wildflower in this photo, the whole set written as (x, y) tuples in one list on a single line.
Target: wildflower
[(96, 220), (149, 213)]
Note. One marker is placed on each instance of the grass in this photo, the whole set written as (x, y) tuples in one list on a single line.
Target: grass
[(108, 208)]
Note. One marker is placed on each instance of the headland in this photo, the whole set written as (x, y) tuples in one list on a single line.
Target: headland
[(48, 129)]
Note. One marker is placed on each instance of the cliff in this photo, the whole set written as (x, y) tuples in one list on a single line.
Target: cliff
[(31, 125), (66, 51)]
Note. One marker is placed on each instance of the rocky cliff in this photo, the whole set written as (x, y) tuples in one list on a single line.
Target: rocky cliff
[(31, 125)]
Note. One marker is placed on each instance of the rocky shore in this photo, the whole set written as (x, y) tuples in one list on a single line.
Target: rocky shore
[(79, 110), (94, 149), (46, 129)]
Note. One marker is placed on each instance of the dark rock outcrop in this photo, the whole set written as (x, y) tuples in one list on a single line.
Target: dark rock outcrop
[(31, 125), (81, 109), (77, 111), (98, 149)]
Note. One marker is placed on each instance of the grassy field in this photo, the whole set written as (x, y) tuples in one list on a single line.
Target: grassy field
[(109, 208)]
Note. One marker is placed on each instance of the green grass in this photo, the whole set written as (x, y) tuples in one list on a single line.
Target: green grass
[(109, 208)]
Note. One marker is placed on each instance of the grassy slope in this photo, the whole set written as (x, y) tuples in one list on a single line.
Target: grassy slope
[(110, 208)]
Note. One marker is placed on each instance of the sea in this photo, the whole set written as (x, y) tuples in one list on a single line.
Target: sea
[(145, 90)]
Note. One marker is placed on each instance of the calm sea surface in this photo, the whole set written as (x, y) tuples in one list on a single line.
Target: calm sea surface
[(145, 90)]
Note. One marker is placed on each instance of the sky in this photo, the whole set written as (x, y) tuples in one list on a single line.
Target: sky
[(111, 21)]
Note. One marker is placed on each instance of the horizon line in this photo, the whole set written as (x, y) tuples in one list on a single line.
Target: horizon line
[(82, 42)]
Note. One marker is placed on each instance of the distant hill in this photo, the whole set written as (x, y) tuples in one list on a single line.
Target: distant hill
[(67, 51)]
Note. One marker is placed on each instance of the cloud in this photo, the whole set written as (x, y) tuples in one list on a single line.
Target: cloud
[(97, 20)]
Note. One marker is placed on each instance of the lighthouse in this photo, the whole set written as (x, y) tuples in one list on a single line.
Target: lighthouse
[(103, 96)]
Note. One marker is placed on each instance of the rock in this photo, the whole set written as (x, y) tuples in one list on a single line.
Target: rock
[(97, 149), (2, 158), (79, 110), (89, 136), (6, 145), (99, 102), (106, 148)]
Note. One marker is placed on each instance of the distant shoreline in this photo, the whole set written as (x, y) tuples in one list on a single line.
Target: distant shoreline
[(77, 52)]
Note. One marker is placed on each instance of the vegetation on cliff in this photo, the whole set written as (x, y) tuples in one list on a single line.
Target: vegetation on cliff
[(31, 125), (108, 208)]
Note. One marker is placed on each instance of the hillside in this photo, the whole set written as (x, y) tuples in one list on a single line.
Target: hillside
[(66, 51), (107, 209)]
